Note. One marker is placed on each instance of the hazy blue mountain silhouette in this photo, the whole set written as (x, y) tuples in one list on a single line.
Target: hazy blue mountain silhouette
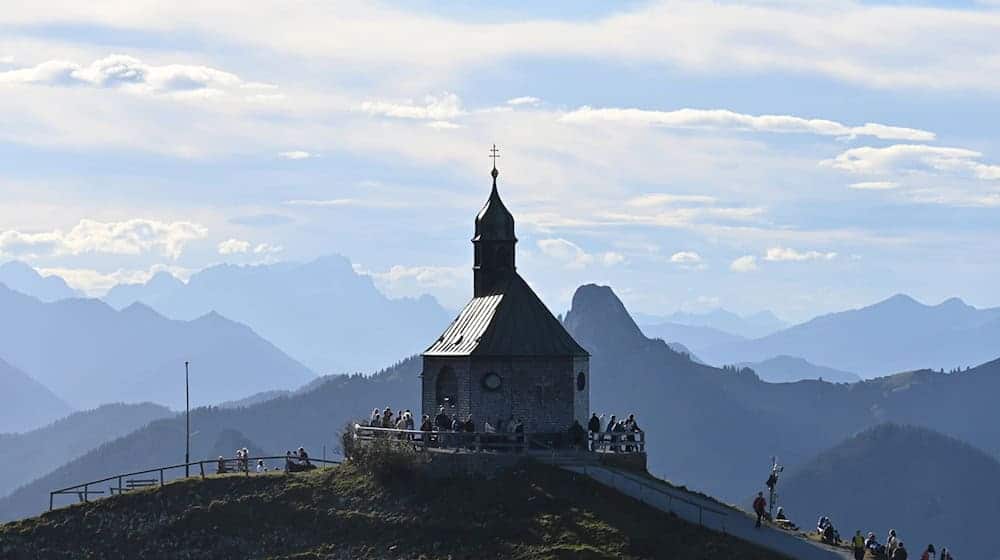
[(26, 404), (930, 487), (322, 312), (717, 429), (696, 338), (787, 369), (89, 354), (754, 325), (31, 455), (312, 417), (896, 334), (21, 277)]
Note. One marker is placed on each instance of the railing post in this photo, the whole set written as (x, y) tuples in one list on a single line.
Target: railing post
[(119, 485), (52, 496), (202, 467), (86, 492), (161, 477)]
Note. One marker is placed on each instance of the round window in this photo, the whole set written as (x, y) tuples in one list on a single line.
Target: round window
[(492, 381), (581, 381)]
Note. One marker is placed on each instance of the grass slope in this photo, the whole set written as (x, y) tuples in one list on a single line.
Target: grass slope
[(538, 512)]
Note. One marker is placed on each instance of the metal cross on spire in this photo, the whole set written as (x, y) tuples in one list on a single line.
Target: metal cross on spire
[(494, 153)]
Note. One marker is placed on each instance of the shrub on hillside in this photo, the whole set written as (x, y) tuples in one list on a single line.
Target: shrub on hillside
[(388, 459)]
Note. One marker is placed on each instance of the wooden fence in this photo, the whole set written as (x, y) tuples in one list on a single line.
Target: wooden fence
[(134, 480)]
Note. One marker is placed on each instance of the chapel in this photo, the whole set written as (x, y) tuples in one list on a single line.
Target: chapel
[(505, 356)]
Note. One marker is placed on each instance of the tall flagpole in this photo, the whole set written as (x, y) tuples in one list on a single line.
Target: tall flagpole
[(187, 420)]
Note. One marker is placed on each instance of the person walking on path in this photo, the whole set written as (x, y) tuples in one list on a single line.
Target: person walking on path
[(858, 546), (759, 507)]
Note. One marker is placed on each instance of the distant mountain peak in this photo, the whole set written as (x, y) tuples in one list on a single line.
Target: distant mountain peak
[(23, 278)]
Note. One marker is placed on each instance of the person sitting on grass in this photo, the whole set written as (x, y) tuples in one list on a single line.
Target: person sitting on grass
[(783, 521), (221, 467), (260, 466)]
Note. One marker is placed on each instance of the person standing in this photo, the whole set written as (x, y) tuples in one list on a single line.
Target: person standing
[(900, 553), (759, 507), (594, 427), (891, 542), (858, 545), (928, 553)]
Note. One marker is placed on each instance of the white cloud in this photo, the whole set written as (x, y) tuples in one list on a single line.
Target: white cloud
[(131, 74), (612, 258), (233, 246), (267, 249), (746, 263), (786, 254), (443, 125), (572, 256), (342, 202), (7, 59), (661, 199), (911, 158), (296, 154), (725, 119), (566, 252), (525, 100), (130, 237), (685, 257), (435, 108), (874, 185)]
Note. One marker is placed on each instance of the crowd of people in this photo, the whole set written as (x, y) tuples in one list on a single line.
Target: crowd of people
[(893, 549), (611, 435), (614, 435), (294, 462)]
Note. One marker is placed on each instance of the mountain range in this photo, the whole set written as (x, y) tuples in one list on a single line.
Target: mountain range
[(313, 418), (896, 334), (788, 369), (323, 313), (25, 403), (32, 454), (88, 354), (754, 325), (929, 487), (21, 277)]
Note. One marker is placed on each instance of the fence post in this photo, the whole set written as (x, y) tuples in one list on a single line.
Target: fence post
[(52, 496), (161, 477), (119, 485), (202, 466), (86, 492)]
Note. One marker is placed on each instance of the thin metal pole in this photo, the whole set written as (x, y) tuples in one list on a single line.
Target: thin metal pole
[(187, 416)]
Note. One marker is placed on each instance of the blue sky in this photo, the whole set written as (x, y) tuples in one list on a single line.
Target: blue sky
[(802, 157)]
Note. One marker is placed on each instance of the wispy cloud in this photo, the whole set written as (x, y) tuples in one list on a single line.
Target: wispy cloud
[(525, 100), (908, 158), (131, 74), (874, 185), (573, 256), (296, 154), (786, 254), (130, 237), (442, 107), (723, 119), (746, 263), (688, 260)]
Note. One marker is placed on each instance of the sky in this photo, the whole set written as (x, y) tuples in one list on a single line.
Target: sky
[(802, 157)]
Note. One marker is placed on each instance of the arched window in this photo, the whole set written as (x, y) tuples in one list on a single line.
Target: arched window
[(581, 381), (446, 386)]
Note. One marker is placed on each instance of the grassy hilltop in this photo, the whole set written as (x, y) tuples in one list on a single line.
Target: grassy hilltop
[(535, 512)]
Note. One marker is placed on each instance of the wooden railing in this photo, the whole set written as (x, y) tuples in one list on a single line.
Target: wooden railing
[(129, 481), (516, 442)]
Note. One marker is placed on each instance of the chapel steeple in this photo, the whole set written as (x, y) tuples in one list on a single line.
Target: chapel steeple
[(494, 241)]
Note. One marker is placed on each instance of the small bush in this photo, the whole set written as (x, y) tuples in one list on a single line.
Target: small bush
[(388, 460)]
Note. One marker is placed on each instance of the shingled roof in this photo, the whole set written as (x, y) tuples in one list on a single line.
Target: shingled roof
[(510, 321)]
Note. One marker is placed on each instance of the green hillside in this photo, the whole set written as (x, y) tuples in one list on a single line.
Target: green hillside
[(533, 512)]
